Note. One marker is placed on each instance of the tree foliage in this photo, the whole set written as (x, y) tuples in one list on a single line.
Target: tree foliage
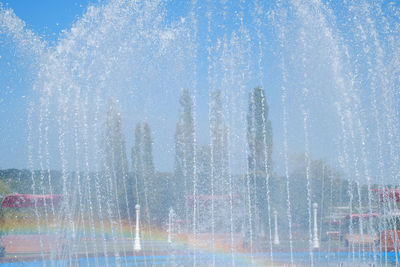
[(259, 139), (219, 144), (184, 152), (143, 169), (115, 165)]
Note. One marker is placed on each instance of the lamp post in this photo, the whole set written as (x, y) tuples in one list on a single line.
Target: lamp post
[(276, 236), (315, 239), (137, 237)]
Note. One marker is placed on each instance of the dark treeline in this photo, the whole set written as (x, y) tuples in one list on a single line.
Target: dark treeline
[(328, 190)]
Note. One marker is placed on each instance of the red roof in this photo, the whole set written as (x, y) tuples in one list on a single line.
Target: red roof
[(30, 201), (387, 194)]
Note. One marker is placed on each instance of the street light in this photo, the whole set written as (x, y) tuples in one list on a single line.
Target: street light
[(137, 237), (276, 236), (315, 239)]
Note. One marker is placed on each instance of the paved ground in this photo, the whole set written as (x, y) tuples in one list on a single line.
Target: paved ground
[(34, 250), (202, 259)]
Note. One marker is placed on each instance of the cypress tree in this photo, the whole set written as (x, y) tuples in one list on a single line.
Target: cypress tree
[(148, 163), (114, 143), (115, 166), (184, 152), (137, 167), (259, 125), (219, 161), (143, 168), (218, 144), (259, 137)]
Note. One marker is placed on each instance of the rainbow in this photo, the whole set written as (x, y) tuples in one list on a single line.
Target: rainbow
[(22, 227)]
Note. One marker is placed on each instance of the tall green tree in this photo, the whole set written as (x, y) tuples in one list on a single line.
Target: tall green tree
[(115, 165), (259, 138), (143, 168), (148, 162), (259, 132), (204, 169), (114, 142), (219, 163), (219, 144), (137, 163), (184, 152), (179, 166)]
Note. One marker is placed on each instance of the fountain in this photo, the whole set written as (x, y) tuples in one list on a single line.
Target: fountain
[(211, 118)]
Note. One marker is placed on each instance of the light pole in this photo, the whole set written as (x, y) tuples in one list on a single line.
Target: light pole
[(276, 236), (315, 239), (137, 237)]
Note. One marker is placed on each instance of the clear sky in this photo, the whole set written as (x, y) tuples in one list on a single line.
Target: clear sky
[(46, 18), (309, 54)]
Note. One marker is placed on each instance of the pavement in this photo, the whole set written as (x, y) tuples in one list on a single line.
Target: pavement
[(34, 250)]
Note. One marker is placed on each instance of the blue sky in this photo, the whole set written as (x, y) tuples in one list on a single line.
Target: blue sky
[(49, 18), (46, 18)]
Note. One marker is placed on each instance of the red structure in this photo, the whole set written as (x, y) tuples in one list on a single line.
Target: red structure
[(389, 237), (30, 201), (387, 194)]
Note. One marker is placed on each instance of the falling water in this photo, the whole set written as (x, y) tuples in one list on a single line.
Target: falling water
[(43, 120), (307, 159), (251, 172), (259, 10), (211, 85), (97, 182), (329, 74), (282, 43), (193, 17), (88, 179), (31, 168)]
